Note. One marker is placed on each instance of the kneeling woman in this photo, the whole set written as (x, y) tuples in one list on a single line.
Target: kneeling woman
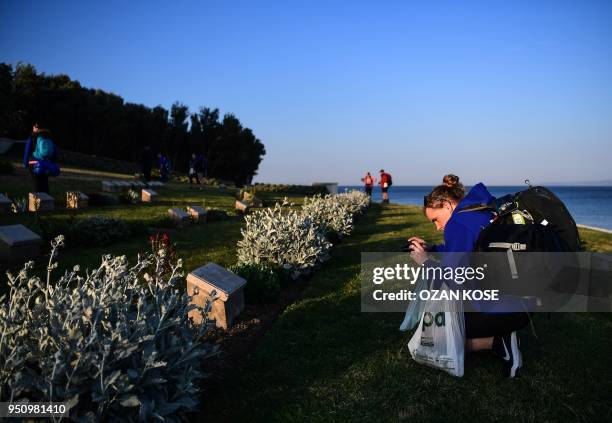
[(484, 331)]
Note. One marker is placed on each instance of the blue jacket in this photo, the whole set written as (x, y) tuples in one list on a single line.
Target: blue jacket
[(29, 150), (27, 153), (462, 230), (460, 235)]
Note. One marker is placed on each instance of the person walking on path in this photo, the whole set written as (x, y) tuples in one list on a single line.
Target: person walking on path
[(385, 182), (39, 158), (164, 167), (369, 182), (194, 168)]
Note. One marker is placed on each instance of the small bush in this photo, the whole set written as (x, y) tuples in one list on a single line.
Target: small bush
[(290, 189), (115, 343), (263, 284), (284, 238), (331, 214), (98, 230), (355, 201), (6, 168)]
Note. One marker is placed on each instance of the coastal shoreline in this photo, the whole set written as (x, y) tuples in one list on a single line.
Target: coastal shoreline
[(594, 228), (579, 225)]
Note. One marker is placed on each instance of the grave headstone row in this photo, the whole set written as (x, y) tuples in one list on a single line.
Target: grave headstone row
[(192, 213), (120, 186)]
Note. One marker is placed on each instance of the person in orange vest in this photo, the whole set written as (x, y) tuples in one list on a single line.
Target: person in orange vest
[(369, 182), (385, 182)]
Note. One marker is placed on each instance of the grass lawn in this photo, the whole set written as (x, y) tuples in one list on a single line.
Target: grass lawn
[(196, 244), (324, 360)]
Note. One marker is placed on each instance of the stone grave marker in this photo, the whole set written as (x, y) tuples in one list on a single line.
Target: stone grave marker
[(198, 214), (76, 200), (110, 186), (40, 201), (241, 206), (256, 202), (5, 204), (149, 196), (180, 216), (18, 242), (229, 290)]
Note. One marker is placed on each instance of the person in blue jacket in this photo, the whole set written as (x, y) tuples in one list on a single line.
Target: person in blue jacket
[(164, 167), (39, 149), (484, 331)]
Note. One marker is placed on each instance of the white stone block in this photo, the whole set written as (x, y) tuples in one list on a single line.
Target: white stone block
[(241, 206), (198, 214), (110, 186), (18, 242), (40, 201), (149, 196), (179, 215), (229, 289), (76, 200)]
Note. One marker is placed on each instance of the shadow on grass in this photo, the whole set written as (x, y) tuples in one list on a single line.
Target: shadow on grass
[(324, 360)]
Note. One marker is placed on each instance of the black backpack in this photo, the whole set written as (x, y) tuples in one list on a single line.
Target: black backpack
[(535, 215), (389, 180), (536, 221)]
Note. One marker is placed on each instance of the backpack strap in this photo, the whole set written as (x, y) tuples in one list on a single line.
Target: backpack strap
[(477, 207)]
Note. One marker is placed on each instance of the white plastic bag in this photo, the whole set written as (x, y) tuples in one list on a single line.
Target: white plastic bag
[(414, 311), (439, 340)]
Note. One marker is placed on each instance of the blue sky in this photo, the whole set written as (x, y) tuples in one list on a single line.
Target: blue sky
[(492, 91)]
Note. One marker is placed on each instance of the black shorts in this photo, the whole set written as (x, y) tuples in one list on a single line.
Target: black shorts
[(385, 189), (485, 325)]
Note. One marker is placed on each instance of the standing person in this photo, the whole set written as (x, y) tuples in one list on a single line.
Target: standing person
[(147, 163), (39, 158), (164, 167), (483, 331), (385, 182), (369, 182), (194, 168)]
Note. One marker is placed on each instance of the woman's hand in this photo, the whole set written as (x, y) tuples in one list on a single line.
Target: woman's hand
[(417, 240), (418, 253), (418, 250)]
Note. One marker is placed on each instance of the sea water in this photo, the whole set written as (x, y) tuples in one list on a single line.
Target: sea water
[(590, 206)]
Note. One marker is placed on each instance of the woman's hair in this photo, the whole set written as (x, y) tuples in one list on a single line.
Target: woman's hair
[(451, 190)]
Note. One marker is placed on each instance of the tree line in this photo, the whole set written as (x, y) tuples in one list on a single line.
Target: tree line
[(96, 122)]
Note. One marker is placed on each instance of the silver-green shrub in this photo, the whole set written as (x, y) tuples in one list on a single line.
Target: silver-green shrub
[(329, 213), (115, 342), (355, 201), (283, 237), (295, 240)]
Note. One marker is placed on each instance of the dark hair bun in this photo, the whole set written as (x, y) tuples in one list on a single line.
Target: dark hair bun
[(451, 180)]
